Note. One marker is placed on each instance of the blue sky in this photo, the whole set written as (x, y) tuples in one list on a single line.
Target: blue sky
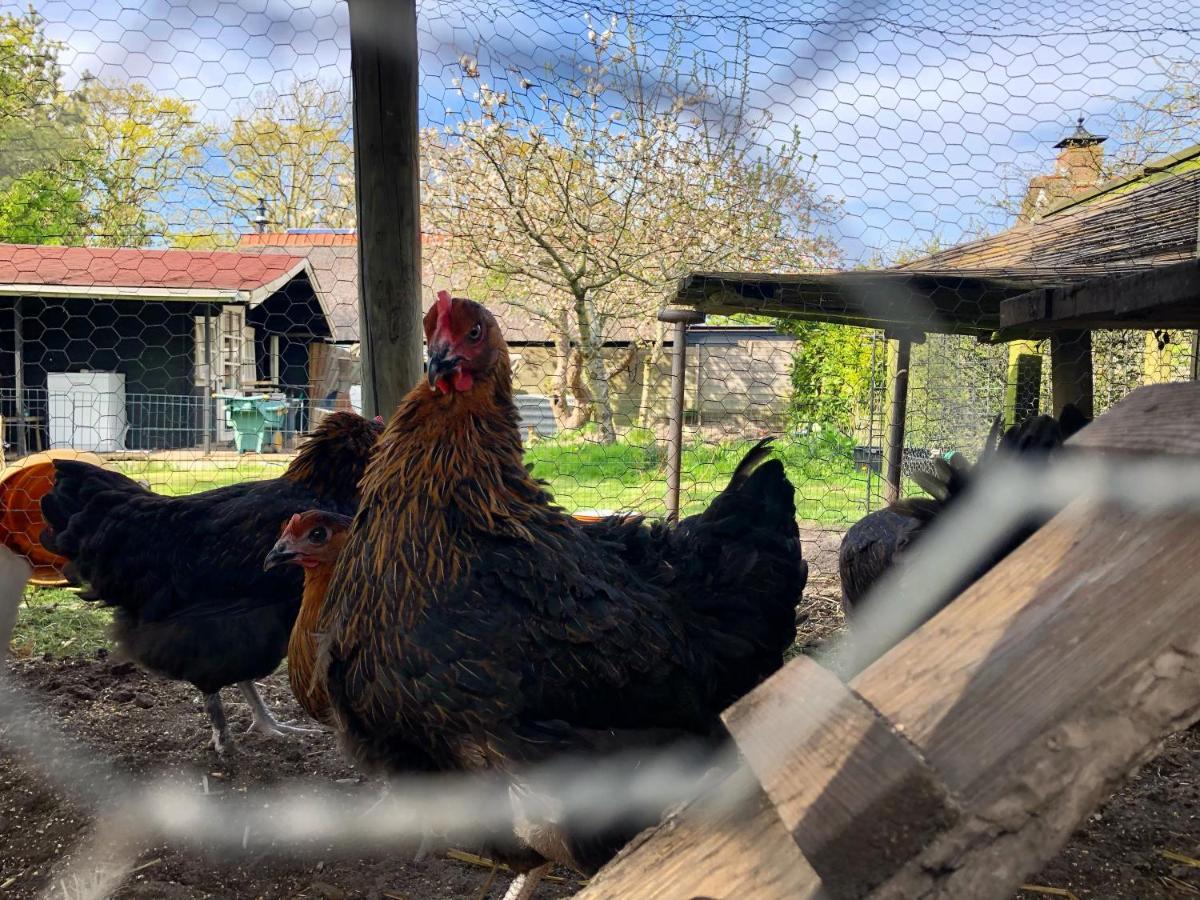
[(914, 109)]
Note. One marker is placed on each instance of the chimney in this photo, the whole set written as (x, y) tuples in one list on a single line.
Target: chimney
[(261, 220), (1077, 170)]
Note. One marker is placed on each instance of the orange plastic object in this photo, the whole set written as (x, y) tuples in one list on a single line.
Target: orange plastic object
[(22, 486)]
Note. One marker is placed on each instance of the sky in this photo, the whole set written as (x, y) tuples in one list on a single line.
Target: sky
[(915, 109)]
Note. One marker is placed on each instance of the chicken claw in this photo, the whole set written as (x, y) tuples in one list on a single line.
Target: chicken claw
[(523, 886), (261, 719)]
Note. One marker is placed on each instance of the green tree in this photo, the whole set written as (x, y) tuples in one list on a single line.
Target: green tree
[(146, 147), (833, 369), (43, 206), (43, 161), (293, 150)]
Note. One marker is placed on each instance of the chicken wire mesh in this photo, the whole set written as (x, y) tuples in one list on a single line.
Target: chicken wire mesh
[(178, 266)]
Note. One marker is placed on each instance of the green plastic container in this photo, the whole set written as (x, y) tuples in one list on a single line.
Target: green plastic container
[(254, 420)]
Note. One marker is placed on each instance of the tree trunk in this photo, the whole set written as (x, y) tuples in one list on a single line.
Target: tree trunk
[(591, 345), (651, 357), (569, 383)]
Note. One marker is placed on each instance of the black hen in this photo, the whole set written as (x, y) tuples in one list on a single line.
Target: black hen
[(185, 574), (880, 539)]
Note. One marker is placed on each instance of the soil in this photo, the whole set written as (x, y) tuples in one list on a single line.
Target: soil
[(149, 726), (145, 725)]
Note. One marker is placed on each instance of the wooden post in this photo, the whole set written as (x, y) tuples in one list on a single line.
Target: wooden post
[(1022, 394), (384, 71), (1071, 370), (680, 318), (898, 412)]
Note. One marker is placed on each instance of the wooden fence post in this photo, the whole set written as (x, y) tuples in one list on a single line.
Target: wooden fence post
[(383, 66)]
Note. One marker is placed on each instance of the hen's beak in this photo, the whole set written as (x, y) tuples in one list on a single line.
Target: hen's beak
[(441, 364), (280, 554)]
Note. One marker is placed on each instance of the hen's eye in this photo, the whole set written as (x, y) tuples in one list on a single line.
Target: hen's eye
[(475, 333), (317, 535)]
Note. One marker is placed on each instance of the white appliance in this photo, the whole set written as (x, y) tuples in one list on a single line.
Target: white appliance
[(87, 411)]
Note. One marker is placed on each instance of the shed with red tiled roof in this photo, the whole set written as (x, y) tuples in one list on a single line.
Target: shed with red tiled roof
[(176, 326)]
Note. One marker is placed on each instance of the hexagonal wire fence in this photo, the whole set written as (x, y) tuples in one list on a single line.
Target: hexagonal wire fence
[(178, 266)]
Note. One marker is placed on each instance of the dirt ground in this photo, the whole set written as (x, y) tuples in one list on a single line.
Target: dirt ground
[(145, 725)]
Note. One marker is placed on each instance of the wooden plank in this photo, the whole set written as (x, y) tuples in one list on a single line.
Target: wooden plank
[(1071, 370), (1159, 418), (1036, 692), (856, 796), (383, 66), (711, 849)]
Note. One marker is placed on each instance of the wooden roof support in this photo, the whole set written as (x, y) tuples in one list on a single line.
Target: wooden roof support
[(898, 367), (961, 760), (1071, 370), (1160, 297)]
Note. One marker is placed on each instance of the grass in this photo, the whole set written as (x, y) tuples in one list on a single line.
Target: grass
[(55, 620), (585, 475), (627, 476)]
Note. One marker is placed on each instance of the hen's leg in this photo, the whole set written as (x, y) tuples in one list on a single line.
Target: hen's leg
[(220, 728), (261, 717), (523, 886)]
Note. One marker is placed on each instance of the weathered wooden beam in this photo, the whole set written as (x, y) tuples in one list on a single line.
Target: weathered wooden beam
[(1036, 692), (1071, 370), (383, 67), (727, 845), (1117, 297), (1158, 419), (855, 794)]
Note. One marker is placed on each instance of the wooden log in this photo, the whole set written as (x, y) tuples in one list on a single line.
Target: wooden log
[(383, 67), (1071, 370), (1162, 296), (856, 795), (728, 845)]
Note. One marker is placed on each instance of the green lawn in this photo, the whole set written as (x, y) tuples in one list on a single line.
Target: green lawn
[(54, 620), (585, 475)]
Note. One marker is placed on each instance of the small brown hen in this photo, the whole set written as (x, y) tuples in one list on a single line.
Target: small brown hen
[(311, 540)]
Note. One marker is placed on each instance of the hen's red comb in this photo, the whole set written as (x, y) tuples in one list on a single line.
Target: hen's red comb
[(444, 303), (379, 420), (294, 525)]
